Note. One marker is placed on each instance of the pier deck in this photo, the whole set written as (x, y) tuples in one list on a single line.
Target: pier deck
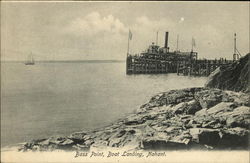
[(181, 66)]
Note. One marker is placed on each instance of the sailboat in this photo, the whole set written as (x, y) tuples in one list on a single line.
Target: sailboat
[(30, 60)]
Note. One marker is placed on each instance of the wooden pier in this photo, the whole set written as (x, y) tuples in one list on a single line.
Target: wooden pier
[(169, 64), (156, 60), (201, 67)]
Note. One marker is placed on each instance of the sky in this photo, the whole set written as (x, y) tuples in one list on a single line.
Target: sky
[(99, 30)]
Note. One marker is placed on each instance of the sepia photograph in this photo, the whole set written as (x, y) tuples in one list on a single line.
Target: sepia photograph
[(125, 81)]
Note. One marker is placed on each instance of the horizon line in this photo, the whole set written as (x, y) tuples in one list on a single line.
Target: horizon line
[(87, 60)]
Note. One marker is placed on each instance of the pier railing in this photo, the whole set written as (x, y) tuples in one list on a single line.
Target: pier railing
[(200, 67), (180, 64)]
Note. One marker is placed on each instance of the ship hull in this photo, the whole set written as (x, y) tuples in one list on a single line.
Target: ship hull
[(29, 63)]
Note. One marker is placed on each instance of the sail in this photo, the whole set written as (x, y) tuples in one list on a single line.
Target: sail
[(30, 60)]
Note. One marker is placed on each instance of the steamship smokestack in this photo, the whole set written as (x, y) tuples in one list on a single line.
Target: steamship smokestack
[(166, 40)]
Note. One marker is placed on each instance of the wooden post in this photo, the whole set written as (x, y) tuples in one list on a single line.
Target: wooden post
[(207, 69), (178, 64), (189, 70), (199, 71)]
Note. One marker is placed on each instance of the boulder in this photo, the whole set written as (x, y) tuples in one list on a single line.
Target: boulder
[(242, 110), (172, 129), (201, 112), (233, 77), (161, 144), (209, 98), (46, 142), (239, 98), (151, 115), (179, 108), (123, 137), (206, 136), (234, 138), (178, 96), (221, 107), (211, 124), (134, 120), (171, 97), (80, 147), (67, 144), (240, 117), (193, 106), (121, 133), (77, 137)]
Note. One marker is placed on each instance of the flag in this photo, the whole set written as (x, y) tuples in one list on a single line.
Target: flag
[(130, 35), (193, 42)]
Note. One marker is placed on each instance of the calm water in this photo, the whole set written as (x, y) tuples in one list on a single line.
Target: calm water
[(60, 98)]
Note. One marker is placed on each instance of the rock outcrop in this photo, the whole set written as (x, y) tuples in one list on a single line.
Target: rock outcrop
[(193, 118), (234, 77)]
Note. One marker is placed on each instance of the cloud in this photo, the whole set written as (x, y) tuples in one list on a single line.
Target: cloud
[(93, 31), (207, 36), (108, 34), (94, 23), (96, 36)]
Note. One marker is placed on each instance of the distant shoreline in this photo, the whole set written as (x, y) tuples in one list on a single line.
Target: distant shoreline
[(71, 61)]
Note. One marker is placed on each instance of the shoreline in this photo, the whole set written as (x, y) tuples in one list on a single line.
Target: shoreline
[(171, 120), (131, 109), (183, 119)]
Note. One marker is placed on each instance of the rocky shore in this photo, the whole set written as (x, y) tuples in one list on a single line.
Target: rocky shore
[(193, 118), (234, 77)]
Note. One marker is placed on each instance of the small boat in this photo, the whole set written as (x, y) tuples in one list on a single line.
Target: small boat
[(30, 60)]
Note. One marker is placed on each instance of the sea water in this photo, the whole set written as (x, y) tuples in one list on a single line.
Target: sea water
[(58, 98)]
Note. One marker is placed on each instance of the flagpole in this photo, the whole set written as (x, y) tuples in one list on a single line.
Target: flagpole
[(177, 44), (192, 44), (128, 45), (156, 42)]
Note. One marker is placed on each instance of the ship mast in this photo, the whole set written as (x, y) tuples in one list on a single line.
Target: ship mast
[(192, 45), (236, 54), (128, 47), (156, 42), (234, 43), (177, 44)]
